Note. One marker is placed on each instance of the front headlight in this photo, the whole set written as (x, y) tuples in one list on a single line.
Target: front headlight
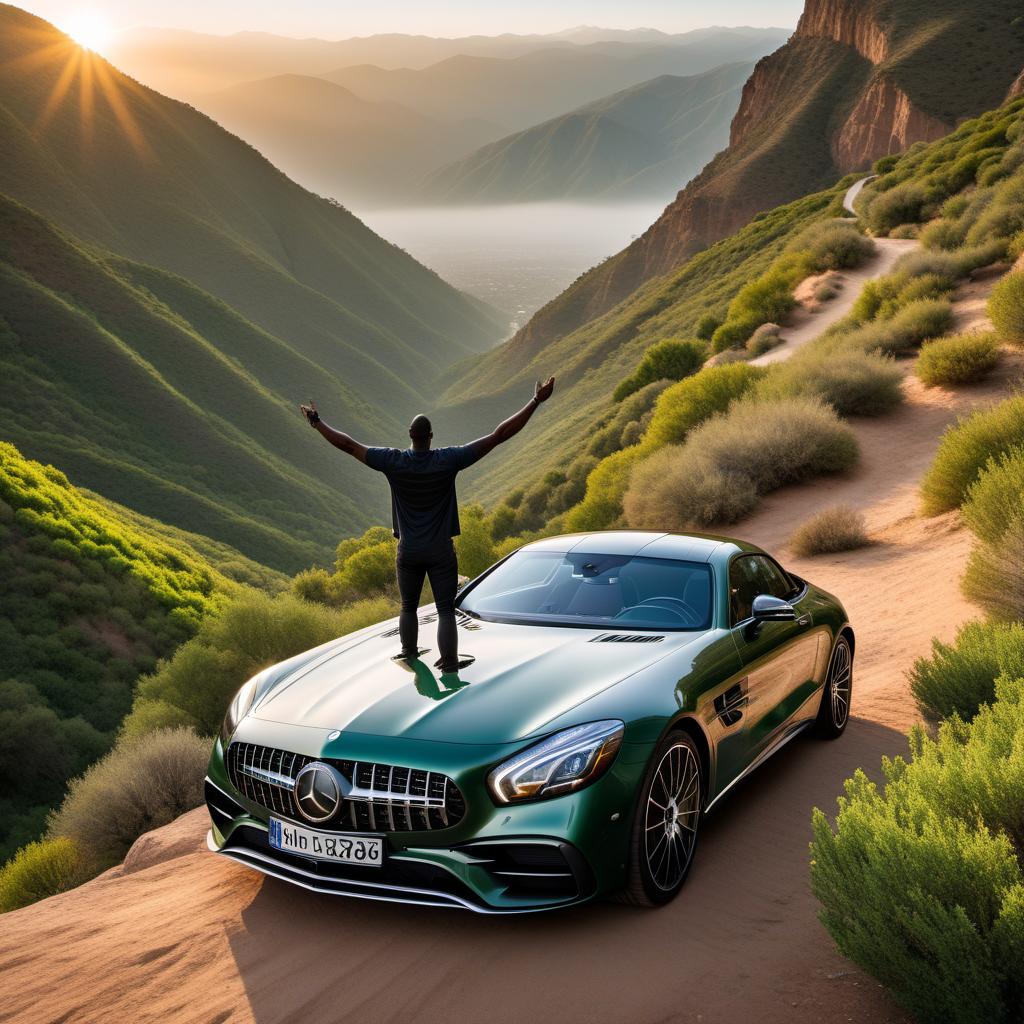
[(563, 763), (238, 708)]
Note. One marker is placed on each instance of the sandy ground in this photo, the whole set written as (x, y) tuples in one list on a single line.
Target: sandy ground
[(177, 934)]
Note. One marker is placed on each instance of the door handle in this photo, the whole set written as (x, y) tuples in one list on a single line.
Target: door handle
[(804, 620)]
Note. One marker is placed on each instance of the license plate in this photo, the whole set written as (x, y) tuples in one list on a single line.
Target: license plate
[(366, 851)]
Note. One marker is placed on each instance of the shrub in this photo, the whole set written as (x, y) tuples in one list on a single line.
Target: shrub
[(961, 359), (839, 528), (764, 339), (943, 234), (1006, 308), (914, 323), (690, 402), (951, 265), (920, 884), (995, 574), (767, 299), (900, 205), (905, 231), (38, 870), (140, 785), (833, 245), (606, 485), (727, 462), (965, 449), (670, 359), (253, 632), (853, 383), (996, 497), (706, 326), (959, 677)]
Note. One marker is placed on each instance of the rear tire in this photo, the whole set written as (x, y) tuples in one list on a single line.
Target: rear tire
[(834, 711), (666, 823)]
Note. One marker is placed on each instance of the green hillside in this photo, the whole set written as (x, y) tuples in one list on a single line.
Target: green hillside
[(648, 140), (816, 108), (90, 600), (145, 389), (157, 182)]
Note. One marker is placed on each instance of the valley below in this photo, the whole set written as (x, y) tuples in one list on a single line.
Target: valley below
[(515, 257)]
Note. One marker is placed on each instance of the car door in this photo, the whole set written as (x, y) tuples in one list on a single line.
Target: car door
[(779, 658)]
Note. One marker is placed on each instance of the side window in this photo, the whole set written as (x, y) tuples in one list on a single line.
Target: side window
[(750, 575)]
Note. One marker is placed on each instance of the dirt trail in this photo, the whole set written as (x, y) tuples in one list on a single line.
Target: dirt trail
[(189, 937)]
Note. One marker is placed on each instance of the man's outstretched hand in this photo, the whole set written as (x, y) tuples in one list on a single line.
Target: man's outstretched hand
[(309, 411), (542, 392)]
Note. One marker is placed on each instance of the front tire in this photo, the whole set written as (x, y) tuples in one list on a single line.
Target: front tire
[(666, 823), (834, 711)]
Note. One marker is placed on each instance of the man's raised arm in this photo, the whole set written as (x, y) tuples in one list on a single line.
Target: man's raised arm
[(337, 437), (510, 427)]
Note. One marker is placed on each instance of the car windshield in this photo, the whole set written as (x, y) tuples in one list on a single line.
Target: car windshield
[(587, 589)]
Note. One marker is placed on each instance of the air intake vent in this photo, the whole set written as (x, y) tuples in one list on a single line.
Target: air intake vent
[(626, 638), (424, 620)]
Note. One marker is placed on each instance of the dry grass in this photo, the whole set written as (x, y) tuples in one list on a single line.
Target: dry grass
[(839, 528)]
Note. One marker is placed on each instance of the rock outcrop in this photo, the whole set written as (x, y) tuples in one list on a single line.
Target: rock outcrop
[(847, 23), (885, 120)]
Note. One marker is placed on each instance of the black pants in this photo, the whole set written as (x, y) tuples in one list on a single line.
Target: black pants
[(442, 568)]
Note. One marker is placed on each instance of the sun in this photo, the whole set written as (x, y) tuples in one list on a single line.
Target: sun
[(89, 29)]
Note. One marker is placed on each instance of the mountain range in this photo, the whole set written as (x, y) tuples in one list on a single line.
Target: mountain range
[(192, 64), (169, 296), (368, 133), (643, 141)]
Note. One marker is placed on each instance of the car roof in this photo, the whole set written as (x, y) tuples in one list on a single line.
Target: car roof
[(686, 547)]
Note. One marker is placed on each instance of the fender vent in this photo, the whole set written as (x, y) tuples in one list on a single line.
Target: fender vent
[(626, 638)]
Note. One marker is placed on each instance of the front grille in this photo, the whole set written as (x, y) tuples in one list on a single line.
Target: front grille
[(384, 798)]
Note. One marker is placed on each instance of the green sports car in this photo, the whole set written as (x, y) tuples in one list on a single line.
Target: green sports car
[(613, 687)]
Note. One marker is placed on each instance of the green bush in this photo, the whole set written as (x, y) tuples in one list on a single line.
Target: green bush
[(38, 870), (965, 449), (952, 265), (252, 632), (959, 677), (960, 359), (903, 204), (996, 497), (853, 383), (921, 884), (833, 245), (690, 402), (1006, 308), (884, 297), (764, 339), (727, 462), (706, 326), (995, 574), (943, 234), (839, 528), (140, 785), (669, 359), (913, 324)]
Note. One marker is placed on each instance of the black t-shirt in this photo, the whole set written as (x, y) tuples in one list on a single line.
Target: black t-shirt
[(424, 508)]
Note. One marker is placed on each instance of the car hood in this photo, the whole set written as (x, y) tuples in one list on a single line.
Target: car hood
[(522, 678)]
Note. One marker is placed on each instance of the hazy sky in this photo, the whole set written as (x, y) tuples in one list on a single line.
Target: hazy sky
[(333, 19)]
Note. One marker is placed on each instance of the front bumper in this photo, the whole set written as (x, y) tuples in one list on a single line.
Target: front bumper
[(509, 859)]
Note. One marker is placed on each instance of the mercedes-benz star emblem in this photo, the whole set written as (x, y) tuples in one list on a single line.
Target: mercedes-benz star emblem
[(319, 790)]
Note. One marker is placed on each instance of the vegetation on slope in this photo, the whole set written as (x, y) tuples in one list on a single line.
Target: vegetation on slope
[(89, 601), (144, 389)]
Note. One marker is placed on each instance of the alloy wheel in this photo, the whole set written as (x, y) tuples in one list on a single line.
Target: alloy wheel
[(671, 816), (839, 684)]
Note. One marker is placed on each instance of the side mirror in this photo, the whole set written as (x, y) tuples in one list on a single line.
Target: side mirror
[(772, 609)]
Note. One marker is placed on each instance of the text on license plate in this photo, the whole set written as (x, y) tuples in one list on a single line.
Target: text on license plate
[(365, 850)]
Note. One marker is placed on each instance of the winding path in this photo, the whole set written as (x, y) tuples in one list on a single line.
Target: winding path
[(803, 326)]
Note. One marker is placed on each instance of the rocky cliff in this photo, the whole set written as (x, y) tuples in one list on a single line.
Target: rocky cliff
[(859, 79)]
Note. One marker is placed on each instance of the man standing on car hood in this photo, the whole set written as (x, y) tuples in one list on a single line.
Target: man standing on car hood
[(425, 513)]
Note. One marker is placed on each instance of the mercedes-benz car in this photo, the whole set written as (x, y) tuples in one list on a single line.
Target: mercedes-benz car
[(613, 687)]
